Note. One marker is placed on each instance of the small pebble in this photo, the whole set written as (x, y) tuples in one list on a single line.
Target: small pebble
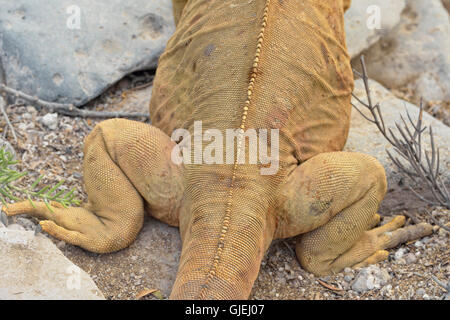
[(369, 278), (27, 116), (420, 292), (418, 244), (50, 120), (399, 253), (410, 258), (348, 270)]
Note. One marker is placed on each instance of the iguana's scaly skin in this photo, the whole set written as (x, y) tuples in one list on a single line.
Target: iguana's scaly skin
[(239, 64)]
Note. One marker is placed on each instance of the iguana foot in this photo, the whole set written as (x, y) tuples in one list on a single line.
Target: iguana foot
[(127, 171), (389, 236), (78, 226)]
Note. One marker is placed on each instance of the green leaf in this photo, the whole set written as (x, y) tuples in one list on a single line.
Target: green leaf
[(45, 188), (34, 185), (48, 206), (158, 295), (59, 184), (31, 201), (8, 176)]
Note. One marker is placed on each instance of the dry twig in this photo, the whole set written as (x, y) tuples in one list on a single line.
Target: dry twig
[(70, 109), (407, 143), (329, 286), (10, 126)]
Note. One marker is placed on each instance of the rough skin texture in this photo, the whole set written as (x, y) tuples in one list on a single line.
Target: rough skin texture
[(240, 64)]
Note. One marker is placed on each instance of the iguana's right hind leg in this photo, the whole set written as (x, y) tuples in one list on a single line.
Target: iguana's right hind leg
[(332, 200), (127, 170)]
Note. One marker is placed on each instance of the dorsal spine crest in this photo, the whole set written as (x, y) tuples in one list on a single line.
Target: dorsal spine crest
[(227, 217)]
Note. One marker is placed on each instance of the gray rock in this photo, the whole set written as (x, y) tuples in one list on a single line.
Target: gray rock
[(414, 55), (442, 232), (387, 290), (365, 137), (399, 253), (420, 292), (50, 120), (70, 52), (349, 270), (362, 30), (3, 219), (348, 277), (33, 268), (410, 258), (370, 278), (26, 223)]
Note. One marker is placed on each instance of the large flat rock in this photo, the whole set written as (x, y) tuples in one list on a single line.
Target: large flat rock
[(45, 52), (32, 267), (362, 28), (415, 54)]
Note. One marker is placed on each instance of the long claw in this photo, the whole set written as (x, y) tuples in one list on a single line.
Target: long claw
[(394, 224), (378, 256), (73, 237), (403, 235), (39, 211)]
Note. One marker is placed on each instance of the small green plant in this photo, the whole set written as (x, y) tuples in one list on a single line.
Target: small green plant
[(8, 176)]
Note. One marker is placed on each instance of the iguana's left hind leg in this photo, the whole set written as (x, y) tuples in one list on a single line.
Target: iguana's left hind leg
[(332, 200), (127, 169)]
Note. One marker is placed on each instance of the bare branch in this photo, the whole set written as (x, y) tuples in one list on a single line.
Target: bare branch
[(2, 109), (407, 143), (70, 109), (437, 222)]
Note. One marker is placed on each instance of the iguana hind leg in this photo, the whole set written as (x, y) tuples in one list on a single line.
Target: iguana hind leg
[(127, 170), (332, 200)]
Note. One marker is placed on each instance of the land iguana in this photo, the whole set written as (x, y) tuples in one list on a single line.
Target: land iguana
[(234, 64)]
